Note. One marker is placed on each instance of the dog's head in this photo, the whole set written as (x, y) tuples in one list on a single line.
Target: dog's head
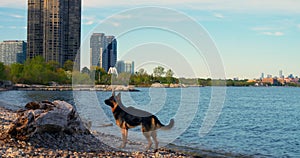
[(113, 101)]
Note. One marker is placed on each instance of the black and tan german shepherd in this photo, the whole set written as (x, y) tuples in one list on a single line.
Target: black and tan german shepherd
[(129, 117)]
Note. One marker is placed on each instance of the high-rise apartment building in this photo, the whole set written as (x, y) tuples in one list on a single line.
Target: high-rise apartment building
[(111, 49), (12, 51), (125, 66), (53, 30), (97, 44), (103, 51)]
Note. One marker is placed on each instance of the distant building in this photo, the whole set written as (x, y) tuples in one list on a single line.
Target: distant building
[(271, 81), (282, 81), (13, 51), (125, 66), (97, 44), (53, 30), (281, 74), (235, 79), (269, 76), (111, 50), (103, 51), (291, 76), (262, 76)]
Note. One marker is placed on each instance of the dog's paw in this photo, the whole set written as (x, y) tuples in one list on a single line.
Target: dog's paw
[(122, 146), (148, 147)]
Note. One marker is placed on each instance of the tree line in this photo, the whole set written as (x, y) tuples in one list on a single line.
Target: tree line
[(38, 71), (139, 78)]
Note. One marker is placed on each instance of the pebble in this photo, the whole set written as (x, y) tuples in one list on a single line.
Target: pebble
[(64, 145)]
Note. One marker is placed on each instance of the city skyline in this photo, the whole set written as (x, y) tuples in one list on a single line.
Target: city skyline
[(252, 37), (125, 66)]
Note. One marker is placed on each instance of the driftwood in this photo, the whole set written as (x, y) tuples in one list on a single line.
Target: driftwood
[(51, 117)]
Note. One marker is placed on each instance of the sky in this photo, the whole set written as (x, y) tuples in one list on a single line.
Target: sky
[(194, 38)]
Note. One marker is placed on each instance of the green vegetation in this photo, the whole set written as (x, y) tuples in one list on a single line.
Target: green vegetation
[(239, 83), (140, 78), (2, 71), (37, 71)]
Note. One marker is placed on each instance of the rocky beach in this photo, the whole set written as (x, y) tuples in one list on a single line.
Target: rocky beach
[(61, 144)]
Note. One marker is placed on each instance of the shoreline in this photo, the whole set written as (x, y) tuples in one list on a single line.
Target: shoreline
[(64, 145), (130, 88), (106, 88)]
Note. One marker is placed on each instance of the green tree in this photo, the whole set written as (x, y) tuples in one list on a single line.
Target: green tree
[(105, 79), (81, 78), (158, 71), (97, 73), (68, 65), (141, 72), (62, 76), (204, 82), (169, 73), (169, 76), (34, 71), (123, 78), (16, 71), (52, 65), (2, 71)]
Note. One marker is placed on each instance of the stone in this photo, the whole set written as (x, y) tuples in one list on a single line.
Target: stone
[(51, 117), (157, 85), (121, 88)]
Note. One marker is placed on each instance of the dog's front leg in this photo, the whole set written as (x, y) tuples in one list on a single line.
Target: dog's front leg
[(124, 137)]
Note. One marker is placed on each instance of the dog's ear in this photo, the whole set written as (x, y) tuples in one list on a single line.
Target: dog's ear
[(119, 97), (113, 93)]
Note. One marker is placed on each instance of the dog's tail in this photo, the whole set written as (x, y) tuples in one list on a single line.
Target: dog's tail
[(165, 127)]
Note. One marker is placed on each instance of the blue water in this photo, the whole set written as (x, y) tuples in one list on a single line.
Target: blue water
[(258, 121)]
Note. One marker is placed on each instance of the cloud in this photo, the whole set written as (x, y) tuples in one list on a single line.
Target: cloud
[(16, 16), (91, 22), (88, 20), (269, 31), (151, 14), (13, 27), (13, 3), (273, 33), (113, 23), (218, 15), (252, 6), (122, 16), (263, 28)]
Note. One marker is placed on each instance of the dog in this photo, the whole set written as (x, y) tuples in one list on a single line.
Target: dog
[(129, 117)]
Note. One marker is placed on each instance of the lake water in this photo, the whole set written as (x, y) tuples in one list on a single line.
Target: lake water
[(257, 121)]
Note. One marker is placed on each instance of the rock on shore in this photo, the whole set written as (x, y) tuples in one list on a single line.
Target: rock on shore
[(61, 140), (52, 117)]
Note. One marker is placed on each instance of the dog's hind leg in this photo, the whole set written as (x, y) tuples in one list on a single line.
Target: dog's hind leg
[(154, 137), (148, 137), (124, 137)]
